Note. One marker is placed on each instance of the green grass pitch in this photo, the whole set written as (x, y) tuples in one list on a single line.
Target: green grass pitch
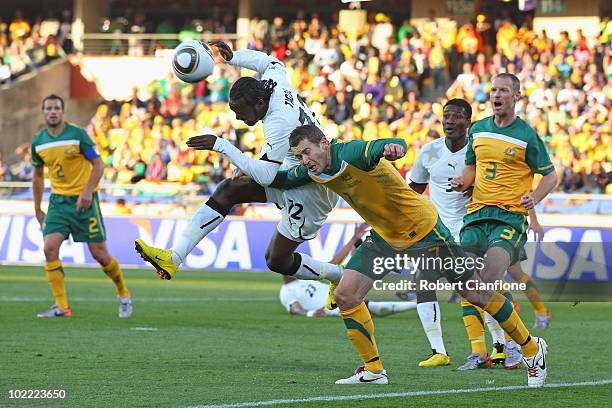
[(222, 337)]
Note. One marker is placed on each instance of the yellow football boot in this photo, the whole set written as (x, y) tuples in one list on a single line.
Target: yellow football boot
[(331, 302), (436, 359), (161, 259), (498, 355)]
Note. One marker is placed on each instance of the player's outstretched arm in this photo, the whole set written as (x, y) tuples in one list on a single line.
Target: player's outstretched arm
[(262, 171), (251, 59), (366, 155), (292, 178)]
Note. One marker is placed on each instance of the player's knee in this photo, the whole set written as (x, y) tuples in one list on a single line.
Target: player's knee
[(473, 296), (424, 296), (101, 256), (279, 263), (345, 299), (226, 193), (51, 250)]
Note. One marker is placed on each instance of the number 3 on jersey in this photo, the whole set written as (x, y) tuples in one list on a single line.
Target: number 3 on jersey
[(491, 171)]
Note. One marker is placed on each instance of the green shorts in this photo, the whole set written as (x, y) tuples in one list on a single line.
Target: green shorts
[(491, 226), (63, 217), (439, 257)]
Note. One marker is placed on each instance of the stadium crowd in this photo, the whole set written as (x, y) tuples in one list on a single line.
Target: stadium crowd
[(387, 81), (26, 45)]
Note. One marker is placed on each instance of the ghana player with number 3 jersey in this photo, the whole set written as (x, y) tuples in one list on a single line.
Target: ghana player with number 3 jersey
[(503, 154), (402, 221), (75, 168)]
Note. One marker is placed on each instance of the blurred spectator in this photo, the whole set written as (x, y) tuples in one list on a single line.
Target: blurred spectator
[(4, 173), (121, 208), (24, 47), (376, 85)]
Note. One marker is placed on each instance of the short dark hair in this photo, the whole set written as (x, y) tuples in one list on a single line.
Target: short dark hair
[(306, 132), (461, 103), (52, 97), (516, 83), (251, 90)]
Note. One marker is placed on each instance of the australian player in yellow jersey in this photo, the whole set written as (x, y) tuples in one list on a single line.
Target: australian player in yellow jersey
[(75, 168), (503, 154), (403, 222)]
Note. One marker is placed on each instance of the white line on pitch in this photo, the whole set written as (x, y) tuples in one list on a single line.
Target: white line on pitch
[(395, 395), (142, 299)]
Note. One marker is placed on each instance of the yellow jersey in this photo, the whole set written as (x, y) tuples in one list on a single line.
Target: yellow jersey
[(373, 187), (67, 157), (506, 160)]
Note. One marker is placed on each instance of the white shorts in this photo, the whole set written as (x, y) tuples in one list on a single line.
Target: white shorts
[(455, 229), (304, 209)]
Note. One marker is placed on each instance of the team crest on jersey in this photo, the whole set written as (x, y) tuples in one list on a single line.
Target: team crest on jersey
[(509, 155), (70, 153)]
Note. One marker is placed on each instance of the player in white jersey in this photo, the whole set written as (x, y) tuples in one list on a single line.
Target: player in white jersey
[(276, 103), (437, 164), (308, 298)]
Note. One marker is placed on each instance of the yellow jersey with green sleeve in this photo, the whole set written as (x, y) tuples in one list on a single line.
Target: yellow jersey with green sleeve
[(506, 160), (68, 156), (373, 187)]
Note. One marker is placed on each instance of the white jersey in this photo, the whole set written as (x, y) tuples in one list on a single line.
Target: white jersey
[(304, 209), (311, 295), (437, 166), (286, 110)]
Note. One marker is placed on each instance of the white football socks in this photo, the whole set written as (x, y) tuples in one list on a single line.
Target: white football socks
[(429, 313), (311, 269), (387, 308), (497, 333), (200, 225)]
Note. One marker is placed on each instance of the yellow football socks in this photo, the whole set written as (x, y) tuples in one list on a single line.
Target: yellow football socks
[(510, 298), (360, 329), (533, 295), (55, 277), (473, 319), (502, 310), (113, 271)]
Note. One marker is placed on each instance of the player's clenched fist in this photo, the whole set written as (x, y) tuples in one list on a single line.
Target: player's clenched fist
[(202, 142), (394, 151), (528, 201)]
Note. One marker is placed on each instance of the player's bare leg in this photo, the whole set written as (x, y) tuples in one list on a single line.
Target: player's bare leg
[(282, 258)]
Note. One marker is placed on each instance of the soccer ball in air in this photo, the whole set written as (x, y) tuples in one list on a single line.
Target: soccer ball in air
[(192, 61)]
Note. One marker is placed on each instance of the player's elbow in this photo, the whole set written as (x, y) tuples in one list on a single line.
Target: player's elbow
[(552, 179), (265, 180)]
